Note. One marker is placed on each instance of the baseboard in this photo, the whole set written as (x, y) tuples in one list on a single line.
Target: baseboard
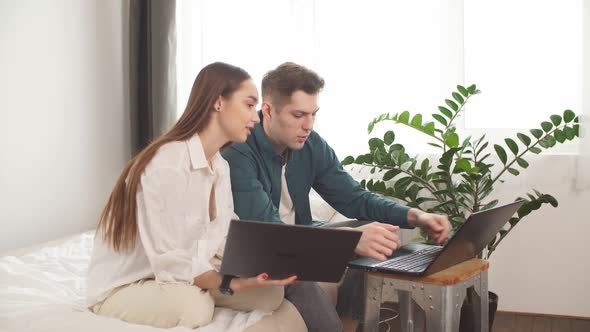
[(542, 315)]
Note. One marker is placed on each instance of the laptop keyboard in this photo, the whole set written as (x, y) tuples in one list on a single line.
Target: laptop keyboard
[(414, 262)]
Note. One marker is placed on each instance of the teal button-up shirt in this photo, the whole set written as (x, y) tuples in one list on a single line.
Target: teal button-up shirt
[(255, 170)]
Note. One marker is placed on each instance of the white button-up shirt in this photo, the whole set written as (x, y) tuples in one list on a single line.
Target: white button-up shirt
[(176, 238)]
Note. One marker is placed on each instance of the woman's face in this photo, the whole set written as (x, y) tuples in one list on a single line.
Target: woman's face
[(238, 112)]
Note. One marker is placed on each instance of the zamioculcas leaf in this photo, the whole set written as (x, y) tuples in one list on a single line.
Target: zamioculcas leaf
[(452, 104), (435, 145), (570, 133), (535, 149), (556, 119), (463, 91), (417, 121), (524, 139), (458, 98), (501, 153), (347, 161), (424, 166), (485, 145), (513, 171), (440, 119), (391, 174), (403, 183), (429, 128), (546, 126), (389, 137), (404, 117), (472, 88), (445, 111), (375, 143), (568, 115), (463, 165), (512, 145), (522, 163), (452, 140), (537, 133), (396, 147), (363, 184), (551, 140), (440, 192), (559, 136), (379, 186)]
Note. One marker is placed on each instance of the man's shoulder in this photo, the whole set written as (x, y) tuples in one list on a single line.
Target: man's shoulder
[(316, 143), (237, 151)]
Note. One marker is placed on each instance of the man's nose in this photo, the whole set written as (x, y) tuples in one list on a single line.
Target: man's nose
[(308, 123)]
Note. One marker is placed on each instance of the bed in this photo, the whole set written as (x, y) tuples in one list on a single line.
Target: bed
[(42, 288)]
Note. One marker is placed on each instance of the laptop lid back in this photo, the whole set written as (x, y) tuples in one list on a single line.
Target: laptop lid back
[(473, 236), (311, 253)]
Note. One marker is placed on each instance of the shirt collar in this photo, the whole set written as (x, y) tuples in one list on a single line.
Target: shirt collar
[(197, 155)]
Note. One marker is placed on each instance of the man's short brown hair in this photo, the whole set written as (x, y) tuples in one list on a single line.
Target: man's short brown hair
[(280, 83)]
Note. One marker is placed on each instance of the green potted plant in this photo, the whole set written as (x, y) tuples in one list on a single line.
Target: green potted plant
[(461, 178)]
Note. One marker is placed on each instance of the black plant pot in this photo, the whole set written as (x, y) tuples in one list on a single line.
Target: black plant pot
[(467, 323)]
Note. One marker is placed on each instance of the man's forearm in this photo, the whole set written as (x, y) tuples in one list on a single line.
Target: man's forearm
[(413, 214)]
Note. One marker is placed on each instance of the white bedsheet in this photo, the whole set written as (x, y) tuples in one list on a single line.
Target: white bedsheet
[(45, 290)]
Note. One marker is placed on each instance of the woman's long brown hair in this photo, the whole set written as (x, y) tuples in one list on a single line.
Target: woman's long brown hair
[(118, 220)]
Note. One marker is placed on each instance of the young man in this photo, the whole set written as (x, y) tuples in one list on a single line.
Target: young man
[(274, 171)]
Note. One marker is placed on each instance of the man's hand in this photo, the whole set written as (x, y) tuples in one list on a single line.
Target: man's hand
[(436, 226), (378, 240)]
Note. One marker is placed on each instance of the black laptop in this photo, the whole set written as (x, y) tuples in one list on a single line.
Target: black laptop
[(310, 253), (469, 240)]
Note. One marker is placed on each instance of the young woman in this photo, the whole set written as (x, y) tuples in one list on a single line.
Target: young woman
[(169, 213)]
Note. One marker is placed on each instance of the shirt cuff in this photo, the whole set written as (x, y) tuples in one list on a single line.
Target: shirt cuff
[(200, 267)]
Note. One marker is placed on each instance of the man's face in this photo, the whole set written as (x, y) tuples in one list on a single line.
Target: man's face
[(289, 126)]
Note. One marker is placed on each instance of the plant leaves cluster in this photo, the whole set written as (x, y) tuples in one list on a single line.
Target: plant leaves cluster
[(460, 180)]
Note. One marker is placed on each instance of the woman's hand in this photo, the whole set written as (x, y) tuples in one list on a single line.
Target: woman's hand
[(241, 284), (212, 280)]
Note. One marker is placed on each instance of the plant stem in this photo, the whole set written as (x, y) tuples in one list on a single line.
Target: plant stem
[(507, 166)]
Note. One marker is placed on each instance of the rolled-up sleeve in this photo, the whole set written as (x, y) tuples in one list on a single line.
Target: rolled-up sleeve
[(173, 238)]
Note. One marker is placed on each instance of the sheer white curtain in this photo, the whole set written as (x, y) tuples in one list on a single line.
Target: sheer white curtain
[(583, 164), (389, 56)]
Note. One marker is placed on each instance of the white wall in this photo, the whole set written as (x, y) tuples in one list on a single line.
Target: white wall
[(64, 123), (542, 266)]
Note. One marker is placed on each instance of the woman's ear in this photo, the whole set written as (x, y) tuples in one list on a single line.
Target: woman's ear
[(218, 104)]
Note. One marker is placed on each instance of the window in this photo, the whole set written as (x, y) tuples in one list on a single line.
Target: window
[(390, 56)]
